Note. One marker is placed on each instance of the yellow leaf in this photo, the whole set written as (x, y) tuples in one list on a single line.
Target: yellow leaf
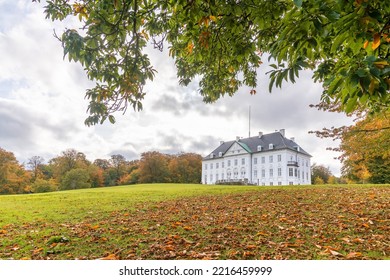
[(377, 41), (190, 46), (213, 18), (365, 44), (373, 85)]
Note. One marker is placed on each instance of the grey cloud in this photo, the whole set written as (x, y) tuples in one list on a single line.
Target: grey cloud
[(14, 130), (128, 154)]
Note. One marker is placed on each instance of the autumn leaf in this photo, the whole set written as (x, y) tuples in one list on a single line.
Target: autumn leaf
[(213, 18), (353, 255), (377, 41), (110, 257)]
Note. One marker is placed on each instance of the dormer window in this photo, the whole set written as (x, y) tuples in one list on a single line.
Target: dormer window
[(220, 154), (271, 146), (211, 155), (259, 148)]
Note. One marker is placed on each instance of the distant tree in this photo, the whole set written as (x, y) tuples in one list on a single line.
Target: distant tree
[(13, 178), (185, 168), (68, 160), (96, 175), (365, 149), (153, 168), (118, 165), (75, 179), (102, 163), (35, 164), (321, 173)]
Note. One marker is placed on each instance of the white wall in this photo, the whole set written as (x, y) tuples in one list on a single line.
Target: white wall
[(217, 169)]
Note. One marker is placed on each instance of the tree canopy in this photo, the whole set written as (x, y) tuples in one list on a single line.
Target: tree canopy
[(344, 42)]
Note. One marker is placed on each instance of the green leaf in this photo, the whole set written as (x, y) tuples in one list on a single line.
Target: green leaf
[(298, 3), (111, 118)]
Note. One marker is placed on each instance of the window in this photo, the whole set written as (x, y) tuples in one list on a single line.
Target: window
[(263, 173), (280, 172), (211, 178), (205, 166), (307, 176), (216, 177), (223, 164), (279, 183), (255, 173), (235, 162), (271, 159), (255, 161), (290, 172), (290, 183), (211, 166), (262, 159), (205, 179), (271, 172), (217, 165), (271, 183), (279, 158), (223, 176), (296, 172), (229, 162), (271, 146), (243, 161)]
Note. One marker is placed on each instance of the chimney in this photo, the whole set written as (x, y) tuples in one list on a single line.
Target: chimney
[(221, 142), (237, 138), (292, 139), (283, 132), (260, 134)]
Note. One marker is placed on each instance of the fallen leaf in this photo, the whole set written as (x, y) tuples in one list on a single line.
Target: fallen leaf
[(353, 255), (110, 257)]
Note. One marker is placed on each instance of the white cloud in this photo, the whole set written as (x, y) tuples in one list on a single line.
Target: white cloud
[(42, 106)]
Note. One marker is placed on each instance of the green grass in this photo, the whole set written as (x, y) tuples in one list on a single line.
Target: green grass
[(74, 205), (173, 221)]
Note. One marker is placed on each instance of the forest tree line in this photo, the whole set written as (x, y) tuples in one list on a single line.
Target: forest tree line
[(72, 170)]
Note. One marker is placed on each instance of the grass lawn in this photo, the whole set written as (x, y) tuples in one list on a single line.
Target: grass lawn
[(173, 221)]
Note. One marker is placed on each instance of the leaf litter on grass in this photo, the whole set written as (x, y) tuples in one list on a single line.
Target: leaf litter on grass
[(302, 223)]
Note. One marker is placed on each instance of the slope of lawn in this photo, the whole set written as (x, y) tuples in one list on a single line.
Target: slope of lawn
[(173, 221)]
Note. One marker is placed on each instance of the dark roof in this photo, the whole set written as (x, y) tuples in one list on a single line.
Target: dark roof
[(250, 145)]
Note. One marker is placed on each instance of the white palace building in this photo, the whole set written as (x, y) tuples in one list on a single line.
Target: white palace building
[(265, 160)]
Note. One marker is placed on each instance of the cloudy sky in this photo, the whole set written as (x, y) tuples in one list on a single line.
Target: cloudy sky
[(42, 106)]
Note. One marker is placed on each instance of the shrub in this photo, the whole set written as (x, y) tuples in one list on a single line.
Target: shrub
[(41, 186), (76, 179)]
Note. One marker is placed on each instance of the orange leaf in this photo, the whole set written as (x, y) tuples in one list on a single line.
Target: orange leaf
[(377, 41), (365, 44), (353, 255), (110, 257)]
